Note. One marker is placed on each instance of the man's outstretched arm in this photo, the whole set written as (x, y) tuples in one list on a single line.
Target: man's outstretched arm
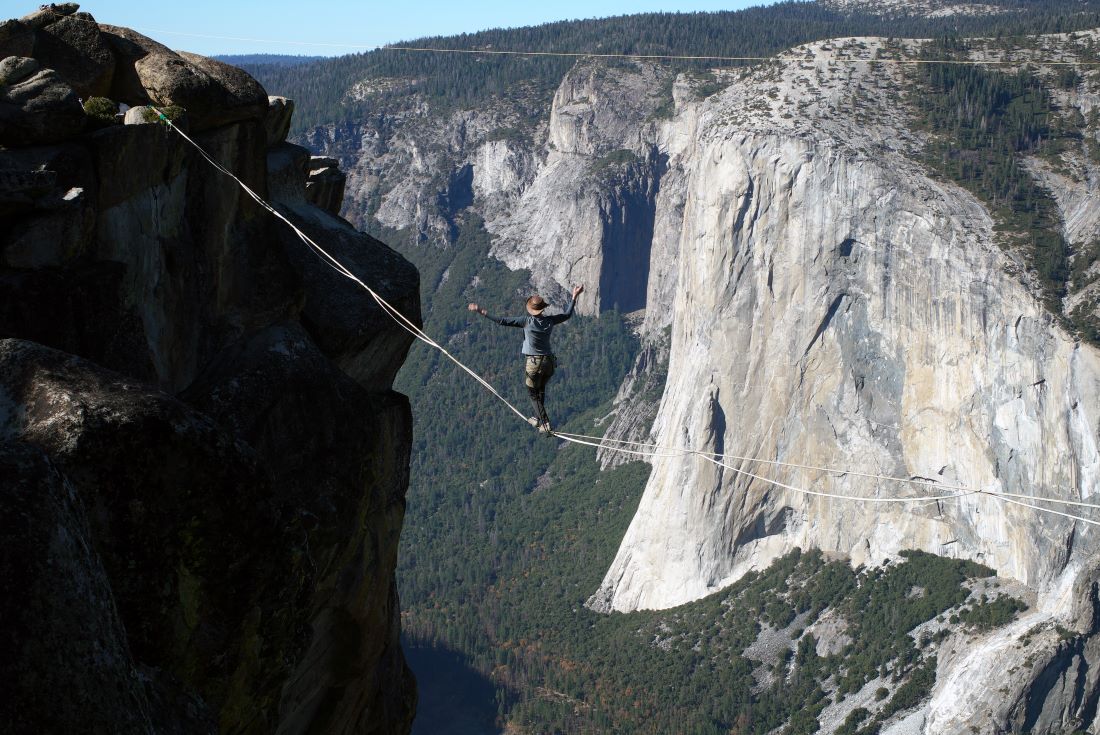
[(504, 321), (559, 318)]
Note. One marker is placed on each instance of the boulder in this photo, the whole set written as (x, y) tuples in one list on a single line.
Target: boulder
[(64, 657), (74, 47), (287, 170), (41, 108), (15, 69), (159, 75), (150, 115), (280, 111), (213, 93), (237, 95), (342, 318), (47, 14), (16, 39), (138, 116), (325, 185), (178, 509)]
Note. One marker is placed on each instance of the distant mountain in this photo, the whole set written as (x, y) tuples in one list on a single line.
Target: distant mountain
[(321, 89), (281, 61), (943, 8)]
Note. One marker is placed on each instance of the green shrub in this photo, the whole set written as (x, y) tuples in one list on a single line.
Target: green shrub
[(172, 112), (510, 134), (984, 124), (993, 614), (101, 110), (852, 721), (614, 159)]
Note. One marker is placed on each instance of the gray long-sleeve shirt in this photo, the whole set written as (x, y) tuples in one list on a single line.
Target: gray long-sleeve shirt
[(536, 329)]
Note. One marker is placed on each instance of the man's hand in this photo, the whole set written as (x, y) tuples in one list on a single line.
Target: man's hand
[(478, 309), (577, 291)]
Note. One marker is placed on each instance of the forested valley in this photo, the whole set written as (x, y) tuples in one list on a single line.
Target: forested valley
[(508, 533)]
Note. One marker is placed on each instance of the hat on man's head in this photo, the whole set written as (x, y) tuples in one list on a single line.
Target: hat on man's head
[(535, 305)]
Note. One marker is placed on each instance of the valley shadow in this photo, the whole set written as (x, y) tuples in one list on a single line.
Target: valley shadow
[(454, 698)]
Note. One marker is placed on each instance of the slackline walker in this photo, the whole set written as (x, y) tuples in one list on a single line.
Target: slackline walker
[(643, 449), (538, 359)]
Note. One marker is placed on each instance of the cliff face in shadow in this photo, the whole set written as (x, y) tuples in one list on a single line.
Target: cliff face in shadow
[(203, 462)]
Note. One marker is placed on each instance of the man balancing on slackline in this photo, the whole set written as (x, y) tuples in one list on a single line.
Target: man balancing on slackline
[(537, 357)]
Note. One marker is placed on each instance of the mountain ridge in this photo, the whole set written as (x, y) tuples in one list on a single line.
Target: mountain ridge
[(464, 82)]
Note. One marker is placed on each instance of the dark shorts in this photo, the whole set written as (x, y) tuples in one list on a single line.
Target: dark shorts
[(537, 370)]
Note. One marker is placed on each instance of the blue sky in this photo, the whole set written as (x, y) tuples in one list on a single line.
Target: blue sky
[(275, 25)]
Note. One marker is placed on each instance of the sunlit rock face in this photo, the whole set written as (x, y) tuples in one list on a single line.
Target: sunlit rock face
[(851, 313), (831, 304), (587, 215), (816, 296), (570, 198)]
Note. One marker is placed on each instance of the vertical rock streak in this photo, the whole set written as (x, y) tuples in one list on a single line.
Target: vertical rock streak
[(855, 315)]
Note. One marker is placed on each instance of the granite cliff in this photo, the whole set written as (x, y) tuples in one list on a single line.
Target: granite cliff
[(834, 303), (204, 464), (816, 291)]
